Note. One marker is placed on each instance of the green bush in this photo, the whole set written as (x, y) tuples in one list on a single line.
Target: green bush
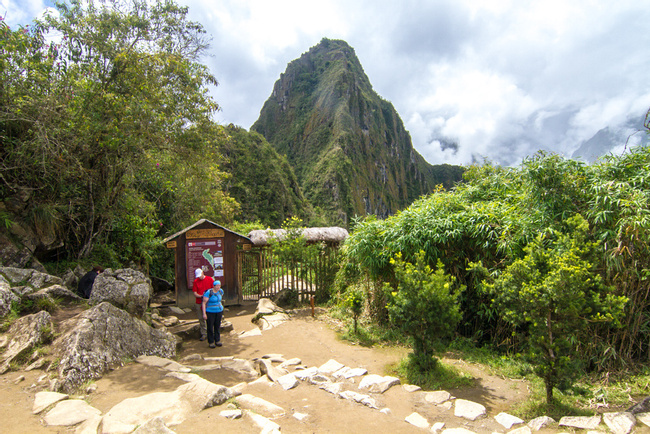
[(424, 307)]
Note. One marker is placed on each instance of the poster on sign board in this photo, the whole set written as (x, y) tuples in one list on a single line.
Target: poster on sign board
[(204, 254)]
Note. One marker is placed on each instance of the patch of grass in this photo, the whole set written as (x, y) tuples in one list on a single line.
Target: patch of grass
[(441, 376), (565, 403), (369, 335), (500, 364)]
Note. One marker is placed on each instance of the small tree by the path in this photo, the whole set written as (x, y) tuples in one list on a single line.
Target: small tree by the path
[(424, 307), (354, 301), (553, 293)]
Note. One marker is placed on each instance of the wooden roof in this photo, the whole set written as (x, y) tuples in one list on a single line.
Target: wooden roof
[(329, 234), (198, 223)]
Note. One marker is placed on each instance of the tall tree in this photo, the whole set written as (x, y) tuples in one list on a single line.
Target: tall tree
[(124, 83)]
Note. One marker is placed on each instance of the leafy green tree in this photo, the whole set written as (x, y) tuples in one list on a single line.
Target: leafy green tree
[(424, 307), (552, 293), (83, 119)]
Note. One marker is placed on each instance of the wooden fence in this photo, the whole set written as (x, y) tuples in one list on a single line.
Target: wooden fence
[(261, 275)]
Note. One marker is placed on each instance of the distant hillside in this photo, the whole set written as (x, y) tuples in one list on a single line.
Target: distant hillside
[(348, 146), (261, 180)]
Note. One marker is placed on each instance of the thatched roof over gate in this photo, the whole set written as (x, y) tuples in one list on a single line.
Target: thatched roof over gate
[(331, 235)]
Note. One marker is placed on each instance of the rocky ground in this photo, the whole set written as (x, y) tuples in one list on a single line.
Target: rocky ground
[(304, 408)]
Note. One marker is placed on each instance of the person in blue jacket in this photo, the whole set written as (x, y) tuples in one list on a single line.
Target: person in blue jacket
[(213, 312)]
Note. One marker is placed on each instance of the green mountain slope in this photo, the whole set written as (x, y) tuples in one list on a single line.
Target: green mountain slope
[(261, 180), (348, 146)]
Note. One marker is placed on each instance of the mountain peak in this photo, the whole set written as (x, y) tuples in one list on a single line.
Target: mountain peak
[(348, 146)]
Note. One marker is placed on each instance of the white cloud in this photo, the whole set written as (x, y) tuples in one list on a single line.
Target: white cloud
[(500, 77)]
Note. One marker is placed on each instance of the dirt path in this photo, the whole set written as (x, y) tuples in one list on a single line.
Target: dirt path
[(311, 340)]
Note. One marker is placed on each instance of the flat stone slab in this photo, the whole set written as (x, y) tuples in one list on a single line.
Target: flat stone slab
[(457, 431), (250, 333), (304, 374), (43, 400), (377, 383), (161, 362), (231, 414), (644, 418), (263, 423), (540, 422), (521, 430), (288, 381), (507, 420), (469, 410), (330, 367), (580, 422), (437, 397), (410, 388), (70, 412), (259, 406), (359, 398), (346, 372), (417, 420), (620, 422)]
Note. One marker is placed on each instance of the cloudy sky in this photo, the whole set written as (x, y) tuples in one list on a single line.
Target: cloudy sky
[(500, 78)]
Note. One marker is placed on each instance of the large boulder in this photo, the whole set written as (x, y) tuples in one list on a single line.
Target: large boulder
[(7, 297), (125, 288), (24, 335), (27, 280), (103, 337)]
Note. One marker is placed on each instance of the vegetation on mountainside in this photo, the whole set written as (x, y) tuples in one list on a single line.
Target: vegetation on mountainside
[(561, 245), (348, 146), (261, 180)]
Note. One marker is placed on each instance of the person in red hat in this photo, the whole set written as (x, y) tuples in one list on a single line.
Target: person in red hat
[(201, 284)]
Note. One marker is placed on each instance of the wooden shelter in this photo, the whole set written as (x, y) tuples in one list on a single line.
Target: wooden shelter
[(213, 248)]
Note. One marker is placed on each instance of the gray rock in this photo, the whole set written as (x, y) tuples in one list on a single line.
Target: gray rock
[(103, 337), (377, 383), (51, 293), (266, 306), (265, 425), (437, 397), (290, 362), (620, 422), (346, 372), (124, 288), (330, 367), (31, 280), (162, 363), (259, 406), (70, 412), (333, 388), (360, 398), (469, 410), (521, 430), (266, 368), (288, 381), (410, 388), (24, 334), (305, 374), (231, 414), (540, 422), (580, 422), (640, 407), (43, 400), (90, 425), (153, 426), (7, 297), (417, 420), (458, 431), (507, 420), (644, 418)]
